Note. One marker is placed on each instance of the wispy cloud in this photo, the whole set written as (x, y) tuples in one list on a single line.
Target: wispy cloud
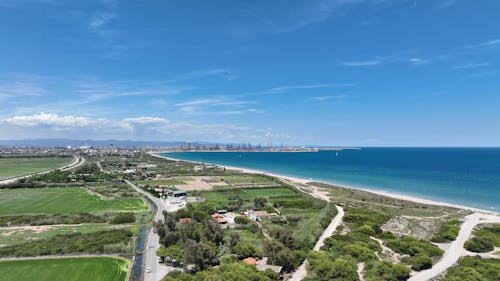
[(297, 18), (471, 65), (481, 74), (485, 44), (326, 98), (224, 73), (215, 106), (290, 88), (363, 63), (101, 19), (446, 3), (381, 60)]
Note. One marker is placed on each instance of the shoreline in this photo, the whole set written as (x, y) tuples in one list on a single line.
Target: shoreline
[(306, 181)]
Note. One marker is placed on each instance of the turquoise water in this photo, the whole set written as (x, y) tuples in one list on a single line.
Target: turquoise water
[(465, 176)]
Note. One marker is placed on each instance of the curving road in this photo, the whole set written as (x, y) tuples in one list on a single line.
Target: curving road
[(158, 271), (77, 161), (456, 248)]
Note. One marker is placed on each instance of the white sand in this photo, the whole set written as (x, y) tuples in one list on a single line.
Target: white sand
[(379, 192)]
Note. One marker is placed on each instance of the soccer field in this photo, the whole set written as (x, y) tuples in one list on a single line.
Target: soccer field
[(14, 166), (62, 200), (65, 269)]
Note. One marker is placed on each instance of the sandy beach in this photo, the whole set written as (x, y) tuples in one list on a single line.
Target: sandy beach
[(378, 192)]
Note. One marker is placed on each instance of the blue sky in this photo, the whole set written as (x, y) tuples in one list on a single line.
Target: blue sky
[(338, 72)]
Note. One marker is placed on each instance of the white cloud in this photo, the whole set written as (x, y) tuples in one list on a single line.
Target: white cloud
[(418, 61), (51, 125), (101, 19)]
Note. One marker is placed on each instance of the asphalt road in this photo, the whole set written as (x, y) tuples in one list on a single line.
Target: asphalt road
[(158, 271)]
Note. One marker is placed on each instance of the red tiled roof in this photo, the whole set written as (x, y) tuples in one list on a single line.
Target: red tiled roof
[(250, 261)]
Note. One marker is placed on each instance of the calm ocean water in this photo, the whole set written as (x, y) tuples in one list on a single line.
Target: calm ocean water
[(465, 176)]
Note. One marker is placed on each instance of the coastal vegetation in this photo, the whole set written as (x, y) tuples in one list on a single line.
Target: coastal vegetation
[(65, 269), (227, 272), (474, 269), (447, 232), (484, 239)]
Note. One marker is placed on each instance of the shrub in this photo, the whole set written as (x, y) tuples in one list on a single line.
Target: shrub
[(241, 220), (479, 245), (121, 218)]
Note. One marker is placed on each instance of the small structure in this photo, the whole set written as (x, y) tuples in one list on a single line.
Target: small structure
[(146, 166), (185, 220), (250, 261), (222, 212), (220, 219), (179, 193)]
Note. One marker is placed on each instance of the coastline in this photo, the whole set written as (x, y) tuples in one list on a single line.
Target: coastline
[(377, 192)]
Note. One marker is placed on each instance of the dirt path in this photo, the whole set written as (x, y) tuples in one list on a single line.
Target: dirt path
[(301, 272), (456, 248)]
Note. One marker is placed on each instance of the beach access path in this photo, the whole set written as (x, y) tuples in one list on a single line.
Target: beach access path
[(456, 249), (158, 270), (301, 272), (77, 161)]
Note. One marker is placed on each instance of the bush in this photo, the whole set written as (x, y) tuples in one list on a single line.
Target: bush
[(447, 232), (412, 246), (122, 218), (241, 220), (244, 250), (479, 245), (419, 262)]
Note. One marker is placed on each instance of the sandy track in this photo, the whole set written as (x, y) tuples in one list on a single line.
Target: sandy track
[(456, 248)]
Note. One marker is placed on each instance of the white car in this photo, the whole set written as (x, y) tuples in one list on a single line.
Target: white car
[(148, 269)]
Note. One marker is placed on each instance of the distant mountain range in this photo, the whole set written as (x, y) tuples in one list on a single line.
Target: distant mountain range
[(70, 142)]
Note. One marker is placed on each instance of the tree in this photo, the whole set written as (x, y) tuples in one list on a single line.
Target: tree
[(244, 250), (174, 252), (234, 238), (284, 236), (199, 254), (286, 259), (260, 202)]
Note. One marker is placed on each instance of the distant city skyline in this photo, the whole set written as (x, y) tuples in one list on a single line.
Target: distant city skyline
[(326, 72)]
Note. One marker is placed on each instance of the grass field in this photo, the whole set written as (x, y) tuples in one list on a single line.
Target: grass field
[(173, 181), (220, 198), (67, 269), (19, 235), (62, 200), (12, 167)]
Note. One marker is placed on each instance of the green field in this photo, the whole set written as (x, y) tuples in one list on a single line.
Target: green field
[(220, 198), (67, 269), (14, 166), (62, 200)]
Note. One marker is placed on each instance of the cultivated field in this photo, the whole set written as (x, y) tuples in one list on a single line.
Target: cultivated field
[(62, 200), (67, 269), (18, 166)]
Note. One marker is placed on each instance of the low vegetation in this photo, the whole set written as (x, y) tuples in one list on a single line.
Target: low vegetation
[(484, 239), (474, 269), (108, 241), (447, 232), (226, 272)]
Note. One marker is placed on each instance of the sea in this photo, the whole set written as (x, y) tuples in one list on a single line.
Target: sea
[(463, 176)]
